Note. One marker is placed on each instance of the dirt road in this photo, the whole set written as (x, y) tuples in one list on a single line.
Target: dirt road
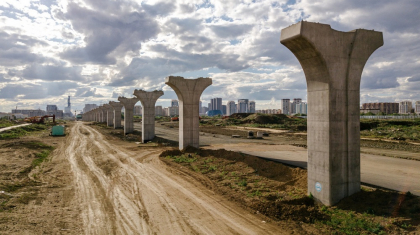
[(129, 191)]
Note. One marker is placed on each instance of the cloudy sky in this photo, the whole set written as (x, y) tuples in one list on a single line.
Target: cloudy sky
[(97, 50)]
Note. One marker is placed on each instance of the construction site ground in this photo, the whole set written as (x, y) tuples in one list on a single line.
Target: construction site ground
[(96, 181)]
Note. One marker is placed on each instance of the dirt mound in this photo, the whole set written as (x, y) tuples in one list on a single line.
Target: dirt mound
[(240, 115), (266, 118), (279, 192), (267, 187)]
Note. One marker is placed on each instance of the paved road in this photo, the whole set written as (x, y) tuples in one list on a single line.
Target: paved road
[(393, 173), (12, 127)]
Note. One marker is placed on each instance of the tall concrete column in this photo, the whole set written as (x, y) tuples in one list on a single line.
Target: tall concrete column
[(116, 106), (109, 115), (102, 114), (188, 92), (333, 62), (129, 113), (98, 115), (148, 101)]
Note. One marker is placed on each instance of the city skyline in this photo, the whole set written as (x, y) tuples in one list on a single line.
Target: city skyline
[(54, 49)]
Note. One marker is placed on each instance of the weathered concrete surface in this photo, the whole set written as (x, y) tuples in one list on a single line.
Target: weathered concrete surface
[(116, 106), (148, 101), (102, 111), (109, 115), (189, 92), (128, 113), (333, 62)]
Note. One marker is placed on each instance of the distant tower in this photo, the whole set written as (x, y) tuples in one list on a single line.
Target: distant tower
[(67, 110)]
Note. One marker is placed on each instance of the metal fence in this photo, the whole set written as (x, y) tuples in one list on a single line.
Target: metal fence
[(383, 117), (390, 117)]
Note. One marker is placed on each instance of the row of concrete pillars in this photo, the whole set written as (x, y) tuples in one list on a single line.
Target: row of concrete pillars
[(333, 62), (188, 91)]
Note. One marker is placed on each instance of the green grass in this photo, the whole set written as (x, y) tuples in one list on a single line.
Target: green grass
[(6, 123), (345, 222), (391, 129), (22, 131), (182, 158)]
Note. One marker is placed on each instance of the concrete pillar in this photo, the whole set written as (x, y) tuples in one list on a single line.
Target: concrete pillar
[(188, 92), (116, 106), (102, 114), (98, 115), (129, 113), (333, 62), (109, 115), (148, 101)]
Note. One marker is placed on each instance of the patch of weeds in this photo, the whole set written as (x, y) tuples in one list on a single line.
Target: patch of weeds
[(256, 193), (212, 168), (223, 173), (40, 157), (351, 223), (182, 159), (26, 198), (243, 183), (3, 200)]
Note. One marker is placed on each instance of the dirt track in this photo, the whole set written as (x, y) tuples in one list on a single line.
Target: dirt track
[(122, 191)]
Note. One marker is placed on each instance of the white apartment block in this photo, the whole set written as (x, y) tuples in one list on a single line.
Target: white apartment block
[(417, 107), (405, 107), (158, 110), (230, 108)]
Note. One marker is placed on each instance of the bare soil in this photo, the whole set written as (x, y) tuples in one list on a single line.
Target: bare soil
[(97, 181)]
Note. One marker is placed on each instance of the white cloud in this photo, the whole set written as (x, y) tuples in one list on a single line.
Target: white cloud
[(95, 50)]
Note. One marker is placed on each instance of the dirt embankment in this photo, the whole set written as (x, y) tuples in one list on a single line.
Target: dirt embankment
[(279, 192)]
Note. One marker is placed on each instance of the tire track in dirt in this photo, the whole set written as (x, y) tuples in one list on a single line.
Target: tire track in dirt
[(94, 219), (138, 196)]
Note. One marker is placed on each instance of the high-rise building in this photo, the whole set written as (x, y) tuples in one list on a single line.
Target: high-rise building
[(387, 108), (302, 108), (417, 107), (173, 111), (405, 106), (137, 110), (159, 110), (89, 107), (252, 107), (216, 104), (174, 103), (204, 110), (293, 105), (51, 107), (209, 107), (243, 106), (224, 109), (285, 106), (230, 108), (67, 110)]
